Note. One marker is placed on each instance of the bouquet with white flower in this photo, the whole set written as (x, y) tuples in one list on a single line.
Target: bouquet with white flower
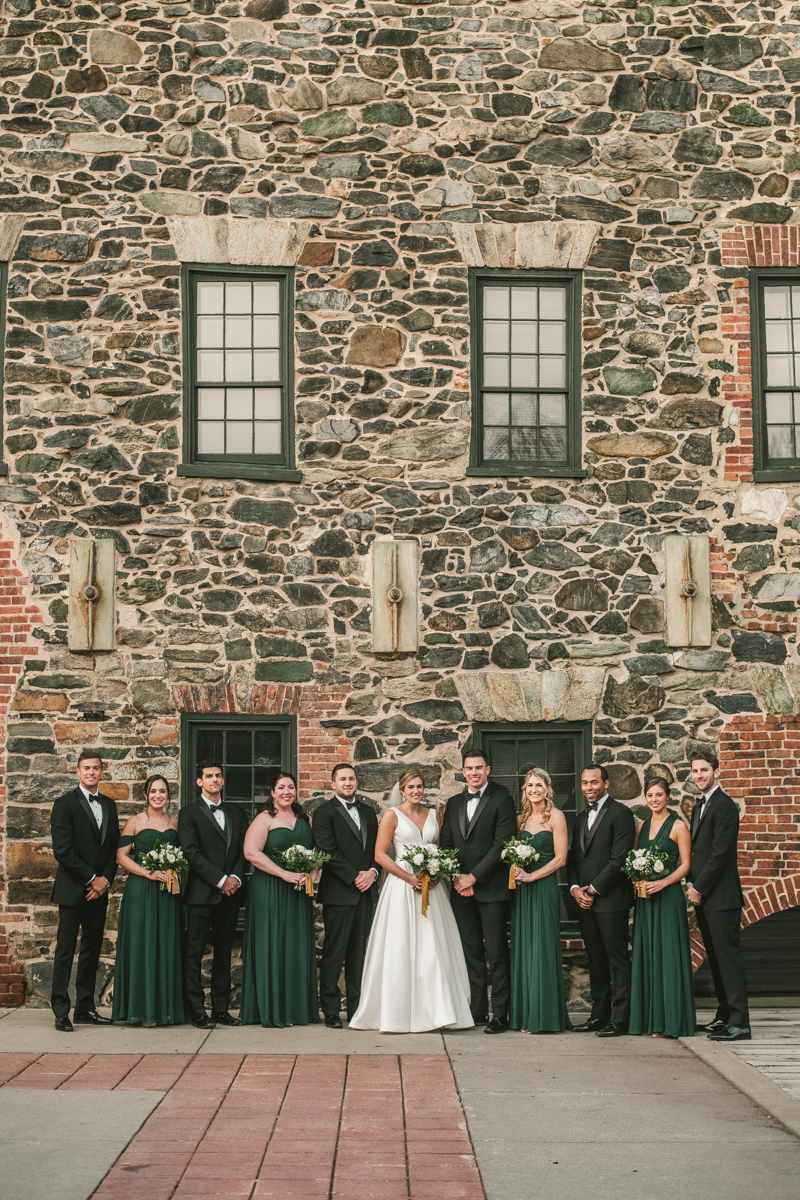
[(644, 865), (300, 858), (166, 856), (431, 863), (518, 854)]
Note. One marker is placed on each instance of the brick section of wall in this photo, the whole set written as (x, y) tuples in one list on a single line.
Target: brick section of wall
[(17, 618)]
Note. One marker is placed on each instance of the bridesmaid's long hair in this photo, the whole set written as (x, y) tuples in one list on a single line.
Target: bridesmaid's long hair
[(148, 783), (297, 807), (527, 807)]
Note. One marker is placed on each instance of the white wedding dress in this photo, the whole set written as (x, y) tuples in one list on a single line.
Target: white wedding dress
[(415, 976)]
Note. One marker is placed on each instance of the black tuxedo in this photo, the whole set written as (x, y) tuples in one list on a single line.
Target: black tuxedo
[(82, 851), (596, 856), (211, 853), (346, 912), (714, 874), (483, 917)]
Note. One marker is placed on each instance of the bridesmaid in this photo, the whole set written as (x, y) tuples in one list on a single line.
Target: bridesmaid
[(279, 964), (538, 1003), (662, 995), (148, 988)]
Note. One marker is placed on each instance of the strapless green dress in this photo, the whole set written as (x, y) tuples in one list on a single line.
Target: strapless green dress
[(662, 992), (538, 1002), (148, 980), (279, 964)]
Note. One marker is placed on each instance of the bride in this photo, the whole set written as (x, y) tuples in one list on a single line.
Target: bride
[(415, 976)]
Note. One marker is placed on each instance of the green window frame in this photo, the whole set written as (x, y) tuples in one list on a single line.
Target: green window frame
[(775, 338), (252, 750), (238, 384), (553, 745), (3, 298), (525, 373)]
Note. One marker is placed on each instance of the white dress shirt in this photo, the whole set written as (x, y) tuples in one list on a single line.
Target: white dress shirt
[(473, 804), (706, 797), (594, 813), (351, 808), (94, 804), (219, 817)]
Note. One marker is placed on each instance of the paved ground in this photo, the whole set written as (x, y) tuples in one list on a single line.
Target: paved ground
[(257, 1113), (775, 1048)]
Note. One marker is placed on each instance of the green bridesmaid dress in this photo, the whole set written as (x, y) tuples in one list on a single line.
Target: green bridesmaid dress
[(279, 965), (538, 1003), (662, 993), (148, 982)]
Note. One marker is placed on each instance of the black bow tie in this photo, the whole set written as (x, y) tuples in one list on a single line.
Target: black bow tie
[(473, 795), (349, 804)]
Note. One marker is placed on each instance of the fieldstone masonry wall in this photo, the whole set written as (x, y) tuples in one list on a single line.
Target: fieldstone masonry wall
[(384, 148)]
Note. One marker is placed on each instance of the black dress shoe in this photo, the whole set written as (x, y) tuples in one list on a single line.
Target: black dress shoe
[(612, 1029), (497, 1025), (731, 1033), (334, 1022), (715, 1026), (224, 1019), (203, 1022), (590, 1026), (91, 1018), (63, 1025)]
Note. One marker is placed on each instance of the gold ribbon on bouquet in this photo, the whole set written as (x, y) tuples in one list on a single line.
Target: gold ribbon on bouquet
[(309, 884), (512, 878), (641, 889), (173, 884), (424, 880)]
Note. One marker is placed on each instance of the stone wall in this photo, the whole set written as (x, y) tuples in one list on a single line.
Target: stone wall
[(384, 149)]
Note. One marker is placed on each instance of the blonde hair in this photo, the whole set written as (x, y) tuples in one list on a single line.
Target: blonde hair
[(527, 807), (407, 776)]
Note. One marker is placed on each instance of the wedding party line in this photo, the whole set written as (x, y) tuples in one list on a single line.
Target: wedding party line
[(416, 908)]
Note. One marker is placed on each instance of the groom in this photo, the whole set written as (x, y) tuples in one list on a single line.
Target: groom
[(346, 829), (477, 822)]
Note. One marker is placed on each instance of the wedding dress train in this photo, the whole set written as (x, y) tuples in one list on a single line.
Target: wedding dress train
[(415, 976)]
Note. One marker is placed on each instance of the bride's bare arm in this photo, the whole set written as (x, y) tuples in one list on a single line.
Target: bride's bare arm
[(386, 831)]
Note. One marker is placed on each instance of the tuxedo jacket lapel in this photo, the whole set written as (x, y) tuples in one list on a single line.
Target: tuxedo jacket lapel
[(228, 827), (697, 819), (597, 821), (87, 808), (583, 830), (344, 817), (210, 817), (479, 807), (362, 815), (462, 815)]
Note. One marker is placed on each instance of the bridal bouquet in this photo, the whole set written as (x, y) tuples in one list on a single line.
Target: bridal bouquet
[(430, 863), (518, 854), (643, 865), (165, 856), (300, 858)]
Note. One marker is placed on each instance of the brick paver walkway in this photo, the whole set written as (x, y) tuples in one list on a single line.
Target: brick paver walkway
[(264, 1126)]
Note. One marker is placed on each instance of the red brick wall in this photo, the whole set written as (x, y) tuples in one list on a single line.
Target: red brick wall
[(17, 618)]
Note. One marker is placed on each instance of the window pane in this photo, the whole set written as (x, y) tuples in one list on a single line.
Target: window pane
[(553, 445), (553, 410), (523, 409), (524, 372), (267, 437), (552, 304), (266, 364), (238, 331), (780, 441), (779, 407), (523, 337), (495, 410), (239, 437), (780, 370), (495, 371), (210, 365), (553, 337), (210, 437), (211, 403), (268, 404), (495, 336), (523, 443), (266, 297), (238, 297), (266, 331), (209, 331), (210, 297), (552, 372), (240, 404), (779, 336), (523, 303), (238, 365), (495, 302), (776, 302), (495, 444)]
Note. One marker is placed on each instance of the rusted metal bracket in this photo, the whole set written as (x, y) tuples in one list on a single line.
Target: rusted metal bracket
[(395, 597), (91, 595), (687, 588)]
